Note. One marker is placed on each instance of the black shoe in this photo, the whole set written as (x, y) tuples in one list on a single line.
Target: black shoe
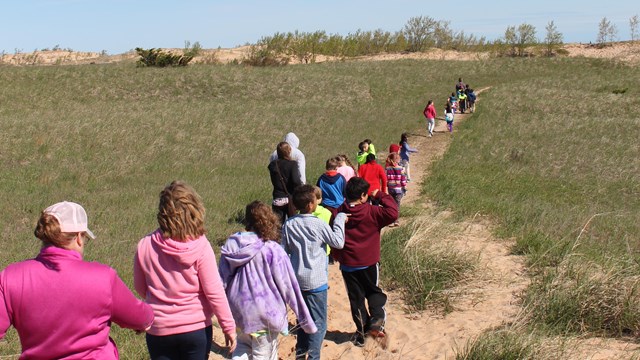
[(358, 340)]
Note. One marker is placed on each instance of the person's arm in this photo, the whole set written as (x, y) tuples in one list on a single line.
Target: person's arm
[(383, 176), (372, 149), (139, 279), (387, 213), (302, 166), (407, 148), (126, 310), (334, 237), (5, 318), (213, 290), (285, 280)]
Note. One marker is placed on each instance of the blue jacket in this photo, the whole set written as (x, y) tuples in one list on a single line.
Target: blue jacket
[(333, 187)]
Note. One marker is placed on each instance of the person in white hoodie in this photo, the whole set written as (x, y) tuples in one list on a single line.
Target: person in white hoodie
[(296, 155)]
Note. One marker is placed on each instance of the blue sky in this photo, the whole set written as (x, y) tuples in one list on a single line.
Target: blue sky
[(121, 25)]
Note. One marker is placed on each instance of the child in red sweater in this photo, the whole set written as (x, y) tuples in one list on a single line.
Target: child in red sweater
[(374, 174), (359, 258)]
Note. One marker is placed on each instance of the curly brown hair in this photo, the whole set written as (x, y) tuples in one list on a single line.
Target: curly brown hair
[(260, 219), (181, 212)]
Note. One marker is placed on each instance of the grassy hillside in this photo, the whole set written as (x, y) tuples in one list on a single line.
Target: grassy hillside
[(550, 146)]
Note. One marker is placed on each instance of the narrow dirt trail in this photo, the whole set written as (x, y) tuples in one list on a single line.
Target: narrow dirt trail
[(489, 299)]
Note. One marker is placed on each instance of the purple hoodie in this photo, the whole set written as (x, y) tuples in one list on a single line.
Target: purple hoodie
[(260, 282)]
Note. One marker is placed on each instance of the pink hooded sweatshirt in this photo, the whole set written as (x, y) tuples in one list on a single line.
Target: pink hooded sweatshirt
[(62, 306), (180, 281)]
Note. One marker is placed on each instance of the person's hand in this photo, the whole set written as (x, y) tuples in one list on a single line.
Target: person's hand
[(230, 341), (346, 219), (374, 192)]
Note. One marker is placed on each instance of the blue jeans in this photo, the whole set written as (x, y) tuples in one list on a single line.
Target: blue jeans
[(310, 344), (192, 345)]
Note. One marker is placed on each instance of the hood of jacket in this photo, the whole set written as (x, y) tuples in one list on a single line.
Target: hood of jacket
[(240, 248), (293, 140), (185, 252)]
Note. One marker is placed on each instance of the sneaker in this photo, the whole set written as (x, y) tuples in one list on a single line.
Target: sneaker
[(376, 331), (358, 340), (430, 134)]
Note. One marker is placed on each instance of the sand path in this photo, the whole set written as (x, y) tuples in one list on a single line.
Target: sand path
[(489, 299)]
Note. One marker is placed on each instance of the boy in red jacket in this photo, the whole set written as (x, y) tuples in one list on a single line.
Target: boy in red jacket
[(360, 256)]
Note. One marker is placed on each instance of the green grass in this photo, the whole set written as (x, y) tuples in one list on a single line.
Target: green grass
[(553, 155), (550, 146), (419, 260), (112, 136)]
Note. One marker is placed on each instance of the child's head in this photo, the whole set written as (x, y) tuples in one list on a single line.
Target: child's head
[(393, 159), (371, 158), (368, 141), (180, 212), (260, 219), (304, 198), (430, 102), (356, 188), (318, 193), (403, 138), (284, 150), (363, 146), (453, 94), (332, 163)]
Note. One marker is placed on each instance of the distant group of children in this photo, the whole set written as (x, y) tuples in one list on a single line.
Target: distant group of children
[(462, 99)]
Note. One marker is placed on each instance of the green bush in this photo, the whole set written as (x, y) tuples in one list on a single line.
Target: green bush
[(160, 58)]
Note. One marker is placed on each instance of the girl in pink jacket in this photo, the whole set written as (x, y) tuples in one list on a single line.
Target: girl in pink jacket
[(62, 306), (175, 271)]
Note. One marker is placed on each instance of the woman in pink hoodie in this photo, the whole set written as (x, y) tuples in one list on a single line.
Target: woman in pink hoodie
[(61, 305), (175, 271)]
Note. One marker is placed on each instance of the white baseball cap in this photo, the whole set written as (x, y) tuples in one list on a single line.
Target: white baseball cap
[(71, 216)]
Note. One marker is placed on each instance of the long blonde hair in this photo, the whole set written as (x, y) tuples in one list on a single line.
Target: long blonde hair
[(181, 212)]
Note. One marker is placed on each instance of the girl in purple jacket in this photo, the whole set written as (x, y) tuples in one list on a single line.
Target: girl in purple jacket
[(260, 283)]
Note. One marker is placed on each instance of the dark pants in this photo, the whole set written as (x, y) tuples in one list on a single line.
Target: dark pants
[(193, 345), (282, 212), (363, 285)]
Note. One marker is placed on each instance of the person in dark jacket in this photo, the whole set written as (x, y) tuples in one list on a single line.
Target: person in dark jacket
[(359, 258), (285, 177)]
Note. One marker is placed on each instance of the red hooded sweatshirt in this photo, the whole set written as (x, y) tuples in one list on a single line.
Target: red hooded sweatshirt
[(362, 231)]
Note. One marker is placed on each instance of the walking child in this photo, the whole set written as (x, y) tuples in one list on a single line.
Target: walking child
[(405, 150), (462, 100), (359, 258), (448, 116), (175, 271), (304, 238), (345, 167), (366, 148), (332, 185), (396, 179), (374, 174), (471, 95), (260, 283), (453, 100), (430, 113)]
